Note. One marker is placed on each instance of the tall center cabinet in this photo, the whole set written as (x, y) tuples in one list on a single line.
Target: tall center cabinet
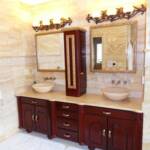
[(75, 62)]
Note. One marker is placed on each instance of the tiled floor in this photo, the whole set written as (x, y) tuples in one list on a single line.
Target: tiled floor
[(35, 141)]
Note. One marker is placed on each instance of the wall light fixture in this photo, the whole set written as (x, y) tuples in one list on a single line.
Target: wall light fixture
[(52, 25), (120, 14)]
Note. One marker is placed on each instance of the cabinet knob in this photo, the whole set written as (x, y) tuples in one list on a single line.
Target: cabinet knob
[(67, 135), (65, 115), (66, 124), (104, 132), (109, 134), (106, 113), (65, 106), (81, 73)]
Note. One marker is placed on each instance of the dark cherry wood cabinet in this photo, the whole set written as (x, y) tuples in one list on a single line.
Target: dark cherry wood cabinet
[(121, 134), (111, 129), (27, 114), (75, 62), (34, 115), (42, 119), (95, 131), (96, 127), (67, 121)]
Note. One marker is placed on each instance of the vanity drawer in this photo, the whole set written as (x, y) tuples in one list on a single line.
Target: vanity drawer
[(73, 136), (34, 101), (110, 112), (66, 106), (67, 124), (68, 114)]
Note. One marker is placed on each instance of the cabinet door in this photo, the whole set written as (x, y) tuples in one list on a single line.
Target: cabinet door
[(75, 62), (28, 116), (41, 119), (121, 134), (95, 131)]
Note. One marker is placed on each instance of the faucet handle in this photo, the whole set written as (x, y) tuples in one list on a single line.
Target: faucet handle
[(113, 81), (118, 82), (125, 82), (52, 78), (46, 78)]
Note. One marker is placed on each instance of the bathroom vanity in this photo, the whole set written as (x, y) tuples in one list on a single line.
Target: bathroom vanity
[(91, 120)]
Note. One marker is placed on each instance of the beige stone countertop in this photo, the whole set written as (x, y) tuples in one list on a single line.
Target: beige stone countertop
[(146, 146), (133, 104)]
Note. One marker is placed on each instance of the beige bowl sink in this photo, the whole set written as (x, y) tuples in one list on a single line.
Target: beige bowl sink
[(43, 87), (116, 93)]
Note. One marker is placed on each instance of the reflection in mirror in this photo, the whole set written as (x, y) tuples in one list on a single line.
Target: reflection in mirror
[(113, 47), (98, 52), (50, 51)]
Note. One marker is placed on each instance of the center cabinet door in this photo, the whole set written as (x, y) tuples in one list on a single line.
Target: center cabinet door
[(95, 131), (41, 119), (121, 134)]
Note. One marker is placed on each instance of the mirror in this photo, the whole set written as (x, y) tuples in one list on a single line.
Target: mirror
[(113, 47), (50, 51)]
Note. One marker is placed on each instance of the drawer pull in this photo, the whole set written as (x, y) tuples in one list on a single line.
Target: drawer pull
[(81, 73), (33, 102), (67, 135), (65, 107), (106, 113), (104, 132), (109, 134), (66, 125), (36, 118), (65, 115)]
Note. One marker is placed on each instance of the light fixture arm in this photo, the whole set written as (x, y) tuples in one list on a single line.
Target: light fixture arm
[(120, 14), (52, 25)]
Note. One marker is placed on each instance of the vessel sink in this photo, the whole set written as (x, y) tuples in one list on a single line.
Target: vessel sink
[(116, 93), (43, 87)]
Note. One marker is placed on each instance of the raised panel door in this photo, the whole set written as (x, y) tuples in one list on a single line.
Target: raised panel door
[(28, 116), (95, 132), (121, 134), (42, 119)]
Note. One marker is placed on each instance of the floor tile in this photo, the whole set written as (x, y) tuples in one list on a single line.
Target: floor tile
[(36, 141)]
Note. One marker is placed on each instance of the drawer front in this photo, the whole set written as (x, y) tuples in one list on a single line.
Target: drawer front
[(72, 136), (110, 112), (34, 101), (67, 124), (68, 114), (66, 106)]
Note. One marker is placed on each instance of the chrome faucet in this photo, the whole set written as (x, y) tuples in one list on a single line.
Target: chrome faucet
[(116, 82), (49, 78)]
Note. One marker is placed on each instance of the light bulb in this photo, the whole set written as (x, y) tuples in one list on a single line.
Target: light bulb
[(96, 14), (36, 23), (46, 22)]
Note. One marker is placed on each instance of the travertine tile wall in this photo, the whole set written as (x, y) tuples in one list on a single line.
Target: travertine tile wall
[(96, 81), (16, 61), (146, 104)]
